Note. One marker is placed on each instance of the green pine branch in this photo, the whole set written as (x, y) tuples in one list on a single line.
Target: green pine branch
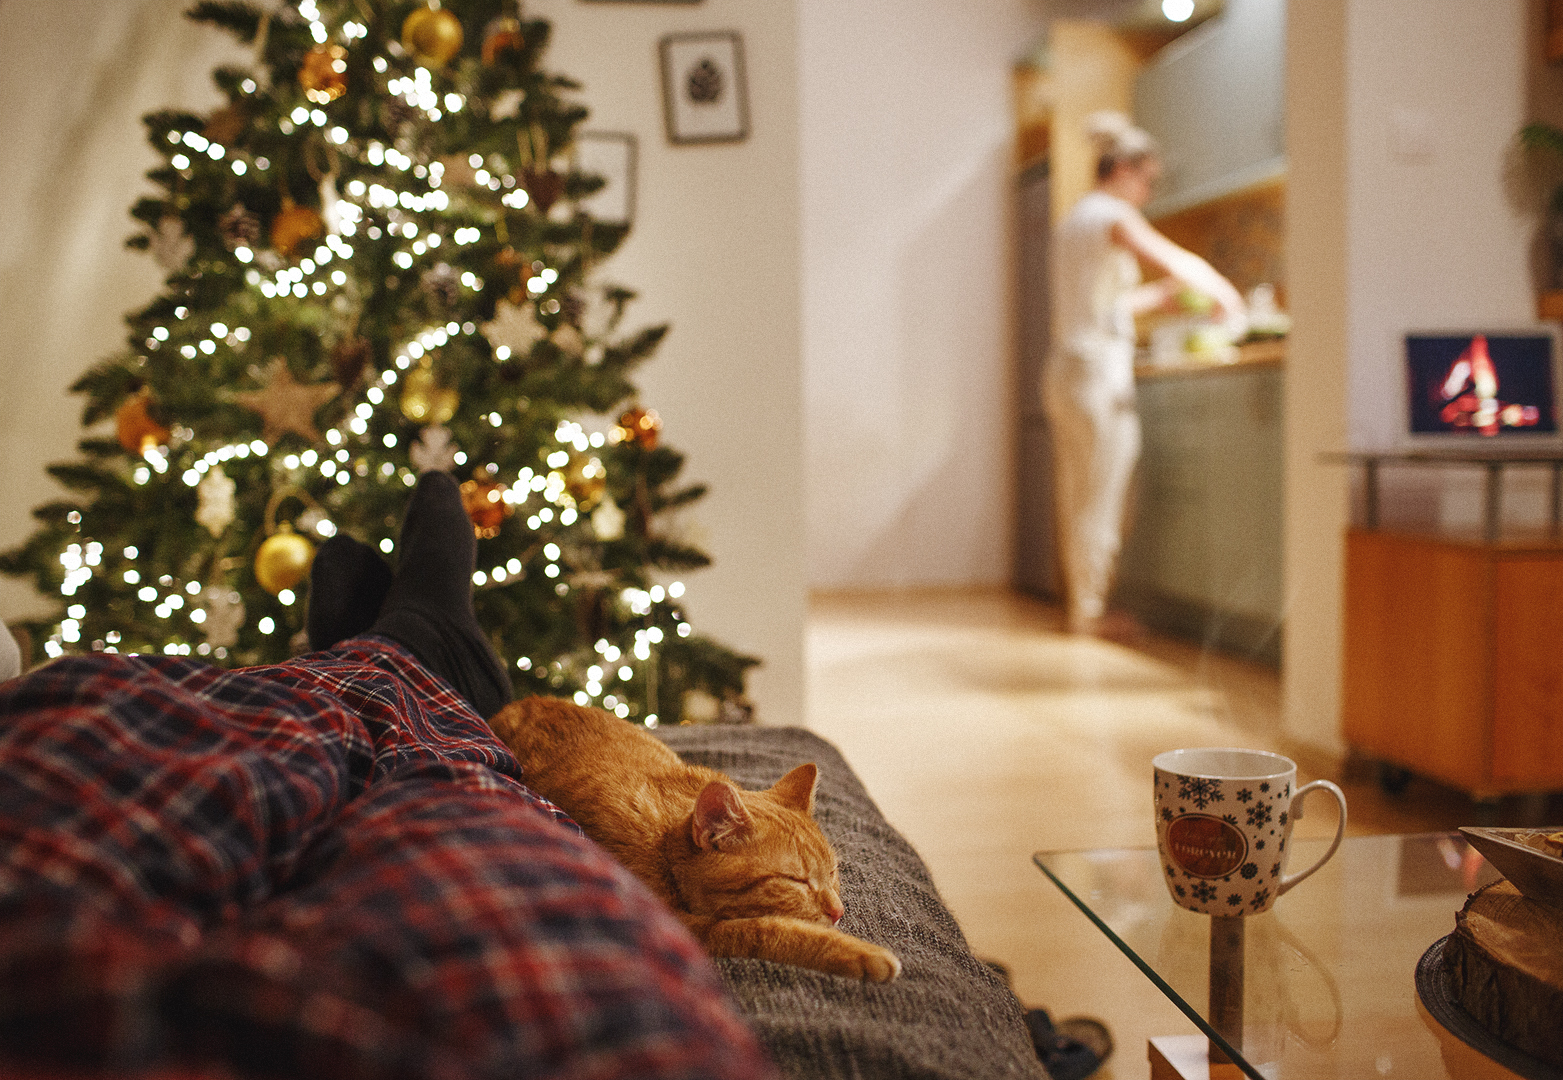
[(239, 17)]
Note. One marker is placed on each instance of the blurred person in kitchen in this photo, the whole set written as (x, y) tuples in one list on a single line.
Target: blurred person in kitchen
[(1088, 380)]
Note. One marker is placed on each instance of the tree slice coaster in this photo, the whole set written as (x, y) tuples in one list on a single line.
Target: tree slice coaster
[(1505, 968)]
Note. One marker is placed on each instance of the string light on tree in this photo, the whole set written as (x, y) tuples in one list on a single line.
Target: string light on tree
[(358, 290)]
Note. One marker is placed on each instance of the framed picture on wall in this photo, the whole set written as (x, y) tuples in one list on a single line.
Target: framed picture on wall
[(610, 155), (704, 95)]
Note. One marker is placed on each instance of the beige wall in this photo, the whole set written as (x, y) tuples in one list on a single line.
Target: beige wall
[(715, 252), (907, 281), (1315, 496), (77, 76)]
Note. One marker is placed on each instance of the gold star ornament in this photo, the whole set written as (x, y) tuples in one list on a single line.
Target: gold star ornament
[(286, 404)]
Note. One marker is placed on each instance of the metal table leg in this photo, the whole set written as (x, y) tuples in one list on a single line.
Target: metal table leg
[(1492, 519), (1370, 491)]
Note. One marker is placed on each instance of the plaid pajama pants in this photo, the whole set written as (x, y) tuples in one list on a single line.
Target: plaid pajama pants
[(325, 868)]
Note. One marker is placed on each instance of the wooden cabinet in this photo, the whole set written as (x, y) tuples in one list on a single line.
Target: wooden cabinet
[(1454, 658)]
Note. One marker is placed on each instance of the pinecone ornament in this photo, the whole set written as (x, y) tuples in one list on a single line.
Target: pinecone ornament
[(441, 285), (239, 228), (397, 112), (348, 359)]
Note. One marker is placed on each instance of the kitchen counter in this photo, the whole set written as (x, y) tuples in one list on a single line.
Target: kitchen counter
[(1254, 354), (1202, 552)]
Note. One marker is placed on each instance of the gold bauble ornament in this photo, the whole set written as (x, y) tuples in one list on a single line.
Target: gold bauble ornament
[(226, 124), (586, 482), (485, 504), (293, 225), (134, 427), (510, 265), (424, 400), (432, 35), (323, 74), (640, 426), (283, 559), (503, 35)]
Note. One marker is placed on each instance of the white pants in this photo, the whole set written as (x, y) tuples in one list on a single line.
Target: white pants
[(1089, 399)]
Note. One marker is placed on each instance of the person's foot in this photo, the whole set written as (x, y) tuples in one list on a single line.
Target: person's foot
[(348, 581), (1119, 627), (429, 607)]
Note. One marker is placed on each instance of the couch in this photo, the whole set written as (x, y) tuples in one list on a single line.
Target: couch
[(331, 868)]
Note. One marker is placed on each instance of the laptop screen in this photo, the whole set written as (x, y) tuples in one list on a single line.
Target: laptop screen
[(1484, 385)]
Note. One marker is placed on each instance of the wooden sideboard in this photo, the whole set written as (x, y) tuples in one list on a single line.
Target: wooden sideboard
[(1454, 658)]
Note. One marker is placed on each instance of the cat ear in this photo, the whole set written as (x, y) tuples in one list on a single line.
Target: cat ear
[(720, 816), (796, 789)]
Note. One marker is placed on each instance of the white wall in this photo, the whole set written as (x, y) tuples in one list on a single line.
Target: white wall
[(715, 252), (77, 76), (907, 297), (1435, 240), (1386, 233)]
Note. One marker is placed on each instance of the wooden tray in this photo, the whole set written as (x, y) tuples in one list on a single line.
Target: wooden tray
[(1537, 874)]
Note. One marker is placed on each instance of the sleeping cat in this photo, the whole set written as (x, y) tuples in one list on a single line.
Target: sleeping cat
[(749, 872)]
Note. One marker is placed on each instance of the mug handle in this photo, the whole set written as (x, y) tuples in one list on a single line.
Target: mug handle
[(1340, 829)]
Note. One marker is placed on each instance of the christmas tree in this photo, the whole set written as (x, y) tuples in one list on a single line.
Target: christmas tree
[(379, 265)]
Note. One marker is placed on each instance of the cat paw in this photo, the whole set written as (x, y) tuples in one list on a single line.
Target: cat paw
[(875, 964)]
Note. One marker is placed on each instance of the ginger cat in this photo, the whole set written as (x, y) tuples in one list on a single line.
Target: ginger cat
[(749, 872)]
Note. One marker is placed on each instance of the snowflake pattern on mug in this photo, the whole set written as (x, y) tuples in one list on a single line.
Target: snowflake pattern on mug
[(1209, 871), (1199, 790)]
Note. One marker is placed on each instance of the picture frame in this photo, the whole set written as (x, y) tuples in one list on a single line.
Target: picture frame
[(611, 155), (705, 91)]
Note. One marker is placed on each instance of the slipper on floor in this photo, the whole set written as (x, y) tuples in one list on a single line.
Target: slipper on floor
[(1071, 1049)]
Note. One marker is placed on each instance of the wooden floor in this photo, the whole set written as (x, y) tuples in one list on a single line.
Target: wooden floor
[(985, 734)]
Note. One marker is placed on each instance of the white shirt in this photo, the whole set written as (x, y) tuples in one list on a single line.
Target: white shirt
[(1092, 277)]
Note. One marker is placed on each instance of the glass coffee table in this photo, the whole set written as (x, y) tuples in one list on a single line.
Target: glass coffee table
[(1320, 986)]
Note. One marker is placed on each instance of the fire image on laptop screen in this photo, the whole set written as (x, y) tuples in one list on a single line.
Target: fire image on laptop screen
[(1481, 385)]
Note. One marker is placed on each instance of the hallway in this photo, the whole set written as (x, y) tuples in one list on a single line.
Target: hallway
[(986, 734)]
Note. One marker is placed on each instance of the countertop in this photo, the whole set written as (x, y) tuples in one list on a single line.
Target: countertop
[(1254, 354)]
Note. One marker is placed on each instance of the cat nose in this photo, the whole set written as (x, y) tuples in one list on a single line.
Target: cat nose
[(834, 909)]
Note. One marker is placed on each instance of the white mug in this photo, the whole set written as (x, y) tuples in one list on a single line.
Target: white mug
[(1223, 821)]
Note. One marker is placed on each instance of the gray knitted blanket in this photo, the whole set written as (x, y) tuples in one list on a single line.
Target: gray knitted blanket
[(948, 1017)]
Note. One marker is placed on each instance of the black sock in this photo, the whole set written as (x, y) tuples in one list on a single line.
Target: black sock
[(348, 582), (429, 608)]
